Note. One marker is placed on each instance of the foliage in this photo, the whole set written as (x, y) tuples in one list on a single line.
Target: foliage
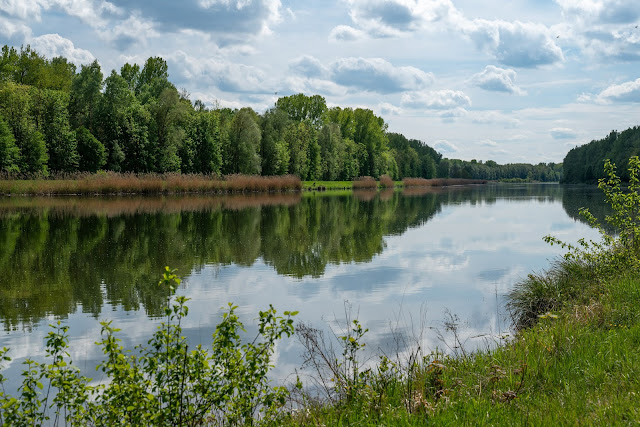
[(623, 248), (584, 164), (167, 382), (146, 125)]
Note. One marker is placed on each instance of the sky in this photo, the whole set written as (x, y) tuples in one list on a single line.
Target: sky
[(516, 81)]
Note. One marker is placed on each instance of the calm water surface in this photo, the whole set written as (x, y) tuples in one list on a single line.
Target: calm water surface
[(397, 260)]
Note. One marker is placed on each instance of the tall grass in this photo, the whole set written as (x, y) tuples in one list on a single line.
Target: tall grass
[(440, 182), (386, 181), (130, 183), (364, 182)]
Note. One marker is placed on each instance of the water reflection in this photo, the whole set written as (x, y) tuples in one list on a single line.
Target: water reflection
[(397, 257), (65, 253)]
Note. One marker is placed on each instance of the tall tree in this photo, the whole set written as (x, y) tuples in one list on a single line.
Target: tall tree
[(300, 107), (85, 96), (9, 152), (245, 139)]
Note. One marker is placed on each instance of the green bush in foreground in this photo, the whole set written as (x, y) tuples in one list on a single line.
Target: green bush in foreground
[(164, 383)]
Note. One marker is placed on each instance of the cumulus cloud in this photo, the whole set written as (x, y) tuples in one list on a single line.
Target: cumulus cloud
[(625, 92), (378, 75), (14, 31), (308, 66), (52, 45), (223, 17), (436, 100), (226, 76), (517, 44), (388, 109), (604, 29), (345, 33), (601, 11), (497, 79), (563, 133), (384, 18), (445, 147)]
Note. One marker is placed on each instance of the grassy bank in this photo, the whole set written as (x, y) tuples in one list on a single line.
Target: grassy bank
[(129, 183), (579, 364)]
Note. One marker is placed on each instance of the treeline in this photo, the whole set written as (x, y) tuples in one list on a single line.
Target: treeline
[(54, 117), (585, 164)]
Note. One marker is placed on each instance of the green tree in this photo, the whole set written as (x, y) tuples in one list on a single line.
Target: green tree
[(92, 153), (245, 136), (9, 152), (85, 97), (300, 108)]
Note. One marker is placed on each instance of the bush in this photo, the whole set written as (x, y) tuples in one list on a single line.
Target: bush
[(167, 383)]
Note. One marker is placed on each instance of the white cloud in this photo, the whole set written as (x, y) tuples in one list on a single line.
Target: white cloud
[(226, 76), (385, 18), (437, 100), (345, 33), (601, 11), (445, 147), (378, 75), (518, 44), (563, 133), (625, 92), (389, 109), (14, 30), (308, 66), (497, 79), (52, 45)]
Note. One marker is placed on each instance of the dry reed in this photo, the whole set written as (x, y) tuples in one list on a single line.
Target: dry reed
[(386, 181), (364, 182), (130, 183)]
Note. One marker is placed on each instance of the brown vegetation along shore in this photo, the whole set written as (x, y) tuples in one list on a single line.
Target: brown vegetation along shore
[(364, 182), (130, 183), (440, 182)]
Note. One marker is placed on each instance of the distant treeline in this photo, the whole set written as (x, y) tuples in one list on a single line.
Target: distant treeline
[(54, 117), (585, 164)]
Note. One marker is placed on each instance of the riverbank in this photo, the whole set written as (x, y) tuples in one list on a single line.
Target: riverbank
[(112, 183), (576, 364)]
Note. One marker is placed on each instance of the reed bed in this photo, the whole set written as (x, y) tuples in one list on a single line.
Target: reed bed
[(386, 181), (130, 183), (440, 182), (364, 182)]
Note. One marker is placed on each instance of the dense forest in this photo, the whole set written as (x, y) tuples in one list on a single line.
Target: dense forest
[(585, 164), (56, 118)]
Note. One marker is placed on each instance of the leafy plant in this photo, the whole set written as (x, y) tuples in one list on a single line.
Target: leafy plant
[(622, 248), (165, 383)]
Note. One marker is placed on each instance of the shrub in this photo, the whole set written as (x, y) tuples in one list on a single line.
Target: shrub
[(167, 383)]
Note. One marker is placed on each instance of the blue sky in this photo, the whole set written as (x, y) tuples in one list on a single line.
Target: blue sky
[(524, 80)]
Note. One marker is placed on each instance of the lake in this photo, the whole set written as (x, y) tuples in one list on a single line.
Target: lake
[(400, 262)]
